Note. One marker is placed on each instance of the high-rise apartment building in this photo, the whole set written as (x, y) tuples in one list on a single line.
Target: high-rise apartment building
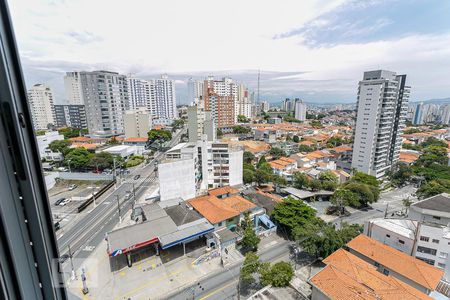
[(243, 105), (445, 114), (141, 93), (189, 168), (195, 90), (165, 107), (72, 115), (265, 106), (200, 122), (72, 85), (105, 95), (381, 110), (219, 97), (418, 114), (137, 122), (40, 99), (288, 104), (300, 110)]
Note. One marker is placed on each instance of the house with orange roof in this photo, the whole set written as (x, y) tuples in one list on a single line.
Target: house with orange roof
[(138, 141), (408, 157), (389, 261), (87, 146), (282, 165), (348, 277), (222, 207)]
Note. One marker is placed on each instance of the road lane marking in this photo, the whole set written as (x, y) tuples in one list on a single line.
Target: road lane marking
[(218, 290)]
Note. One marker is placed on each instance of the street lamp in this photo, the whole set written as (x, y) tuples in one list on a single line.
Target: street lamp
[(68, 163)]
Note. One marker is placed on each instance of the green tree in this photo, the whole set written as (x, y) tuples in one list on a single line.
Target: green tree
[(296, 139), (328, 180), (40, 132), (77, 158), (177, 124), (292, 213), (261, 161), (316, 124), (242, 119), (300, 180), (265, 276), (281, 273), (306, 148), (219, 132), (434, 187), (335, 141), (291, 119), (102, 160), (241, 129), (262, 176), (159, 134), (248, 167), (248, 157), (250, 239), (315, 185), (363, 192), (433, 155), (248, 176), (364, 178), (59, 146), (249, 268), (342, 198), (432, 141), (70, 132), (401, 175), (278, 180), (276, 152)]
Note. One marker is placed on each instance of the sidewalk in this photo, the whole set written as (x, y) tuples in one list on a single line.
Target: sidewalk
[(149, 278)]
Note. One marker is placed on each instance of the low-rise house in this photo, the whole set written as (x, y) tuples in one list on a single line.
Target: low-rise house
[(282, 165), (343, 176), (348, 277), (408, 157), (389, 261), (224, 209)]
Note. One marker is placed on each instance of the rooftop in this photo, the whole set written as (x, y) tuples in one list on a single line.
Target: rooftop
[(408, 266), (439, 202), (217, 210), (348, 277), (403, 227), (223, 191)]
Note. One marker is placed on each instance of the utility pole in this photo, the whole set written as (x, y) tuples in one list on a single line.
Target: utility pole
[(93, 196), (114, 172), (73, 275), (83, 279), (134, 196), (386, 211), (118, 208)]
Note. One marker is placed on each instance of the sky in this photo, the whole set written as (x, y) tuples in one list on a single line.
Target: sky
[(312, 49)]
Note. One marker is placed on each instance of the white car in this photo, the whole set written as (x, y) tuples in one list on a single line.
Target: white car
[(64, 202), (72, 187)]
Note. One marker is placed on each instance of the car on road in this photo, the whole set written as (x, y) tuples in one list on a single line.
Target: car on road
[(58, 202), (72, 187), (137, 177), (128, 195), (64, 202), (63, 169), (57, 226)]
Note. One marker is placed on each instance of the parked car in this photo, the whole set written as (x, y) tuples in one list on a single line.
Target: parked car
[(63, 169), (58, 202), (63, 258), (72, 187), (64, 202), (128, 195), (137, 177)]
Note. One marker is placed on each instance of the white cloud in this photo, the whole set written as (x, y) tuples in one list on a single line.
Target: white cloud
[(147, 37)]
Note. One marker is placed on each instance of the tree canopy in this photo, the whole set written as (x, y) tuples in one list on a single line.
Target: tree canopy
[(241, 129), (292, 213), (77, 158), (276, 152), (250, 239), (60, 146), (70, 132), (159, 134), (300, 180), (242, 119)]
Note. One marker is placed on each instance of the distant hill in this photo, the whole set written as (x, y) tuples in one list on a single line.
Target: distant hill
[(434, 101)]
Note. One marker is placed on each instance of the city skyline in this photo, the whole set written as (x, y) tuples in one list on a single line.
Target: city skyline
[(315, 52)]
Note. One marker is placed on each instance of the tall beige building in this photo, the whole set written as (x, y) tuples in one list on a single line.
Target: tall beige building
[(40, 99), (200, 122), (137, 123)]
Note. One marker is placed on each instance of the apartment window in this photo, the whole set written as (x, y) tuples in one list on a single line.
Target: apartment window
[(388, 235), (436, 217), (424, 238), (428, 261), (426, 250), (435, 241), (443, 254), (441, 265), (401, 242)]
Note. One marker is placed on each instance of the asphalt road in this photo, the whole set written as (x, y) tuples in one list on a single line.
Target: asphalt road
[(91, 229), (223, 285), (389, 203)]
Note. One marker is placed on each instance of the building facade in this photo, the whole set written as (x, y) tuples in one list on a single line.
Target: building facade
[(200, 122), (220, 97), (300, 110), (105, 96), (72, 86), (72, 115), (381, 111), (195, 90), (141, 93), (137, 123), (40, 100), (165, 105)]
